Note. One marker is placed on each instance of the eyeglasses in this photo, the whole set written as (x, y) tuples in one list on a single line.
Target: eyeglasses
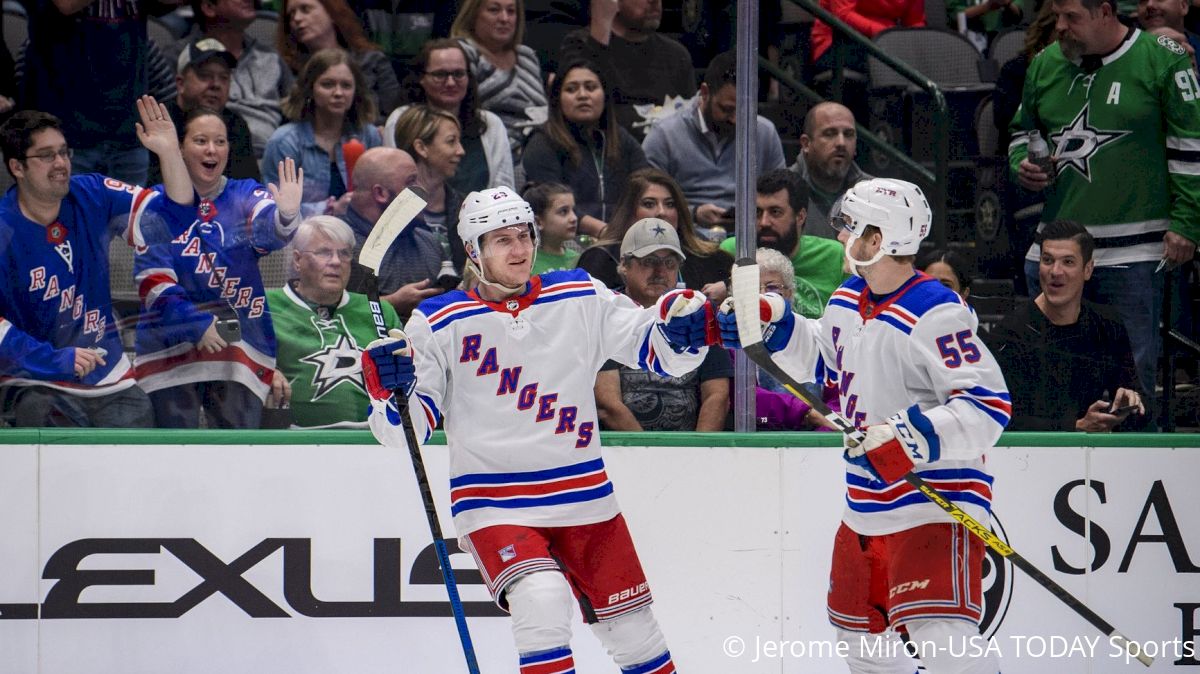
[(49, 156), (326, 254), (655, 262), (772, 288), (441, 76)]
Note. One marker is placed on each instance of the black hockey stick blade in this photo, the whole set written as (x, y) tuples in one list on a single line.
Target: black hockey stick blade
[(745, 303)]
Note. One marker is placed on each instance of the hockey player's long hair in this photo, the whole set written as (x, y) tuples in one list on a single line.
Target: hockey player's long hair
[(625, 212), (559, 130)]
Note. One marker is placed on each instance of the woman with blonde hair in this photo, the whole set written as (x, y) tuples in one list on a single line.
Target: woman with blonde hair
[(308, 26), (507, 73), (328, 106), (652, 193), (434, 139)]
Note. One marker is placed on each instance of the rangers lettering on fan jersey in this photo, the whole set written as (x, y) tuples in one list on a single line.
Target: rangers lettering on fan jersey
[(210, 269), (54, 292), (1127, 138), (514, 380), (915, 350)]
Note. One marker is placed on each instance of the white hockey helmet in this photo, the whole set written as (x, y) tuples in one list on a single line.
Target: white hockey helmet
[(487, 210), (897, 208)]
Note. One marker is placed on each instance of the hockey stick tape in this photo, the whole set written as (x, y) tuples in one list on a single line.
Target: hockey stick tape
[(693, 301), (745, 301)]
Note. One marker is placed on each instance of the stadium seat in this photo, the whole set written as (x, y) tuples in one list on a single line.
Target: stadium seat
[(16, 30), (263, 28), (125, 302), (1006, 46), (275, 268), (161, 34)]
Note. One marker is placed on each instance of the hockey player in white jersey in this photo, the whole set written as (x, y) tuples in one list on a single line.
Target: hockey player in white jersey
[(913, 375), (511, 367)]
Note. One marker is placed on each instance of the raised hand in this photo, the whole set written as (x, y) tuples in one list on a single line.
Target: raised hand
[(290, 190), (156, 131)]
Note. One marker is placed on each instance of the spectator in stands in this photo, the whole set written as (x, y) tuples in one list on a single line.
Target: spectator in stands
[(1011, 81), (431, 136), (582, 145), (1165, 17), (826, 163), (204, 72), (400, 29), (506, 71), (260, 80), (781, 224), (8, 79), (643, 65), (948, 267), (329, 107), (1136, 223), (695, 145), (1067, 361), (869, 17), (553, 206), (308, 26), (322, 328), (638, 400), (68, 366), (410, 268), (85, 61), (654, 194), (440, 78), (205, 342), (776, 407), (984, 18)]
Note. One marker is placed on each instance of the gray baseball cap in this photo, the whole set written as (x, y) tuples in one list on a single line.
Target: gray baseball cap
[(649, 235)]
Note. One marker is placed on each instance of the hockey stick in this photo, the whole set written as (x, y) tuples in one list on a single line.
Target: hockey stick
[(398, 215), (745, 301)]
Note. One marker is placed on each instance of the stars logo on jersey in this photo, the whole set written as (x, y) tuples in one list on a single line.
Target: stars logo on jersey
[(336, 363), (1079, 141)]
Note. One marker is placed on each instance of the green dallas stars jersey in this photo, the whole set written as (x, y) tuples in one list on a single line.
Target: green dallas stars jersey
[(1127, 138), (320, 356)]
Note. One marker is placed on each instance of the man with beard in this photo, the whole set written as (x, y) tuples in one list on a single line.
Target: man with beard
[(695, 145), (631, 399), (781, 216), (643, 66), (826, 162), (1119, 109), (59, 345)]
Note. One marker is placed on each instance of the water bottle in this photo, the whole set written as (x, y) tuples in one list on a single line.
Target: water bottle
[(448, 279), (1039, 154)]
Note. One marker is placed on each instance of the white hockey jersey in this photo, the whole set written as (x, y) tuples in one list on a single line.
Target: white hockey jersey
[(914, 350), (515, 381)]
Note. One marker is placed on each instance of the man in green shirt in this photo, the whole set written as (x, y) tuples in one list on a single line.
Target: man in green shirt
[(781, 201)]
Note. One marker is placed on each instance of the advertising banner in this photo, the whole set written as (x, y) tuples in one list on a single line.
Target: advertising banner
[(316, 558)]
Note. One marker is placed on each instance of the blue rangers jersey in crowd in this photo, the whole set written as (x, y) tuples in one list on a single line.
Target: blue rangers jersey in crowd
[(54, 282), (211, 269), (914, 350), (515, 382)]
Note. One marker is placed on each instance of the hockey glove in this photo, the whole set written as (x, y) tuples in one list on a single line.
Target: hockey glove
[(387, 367), (778, 322), (891, 449), (686, 320)]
